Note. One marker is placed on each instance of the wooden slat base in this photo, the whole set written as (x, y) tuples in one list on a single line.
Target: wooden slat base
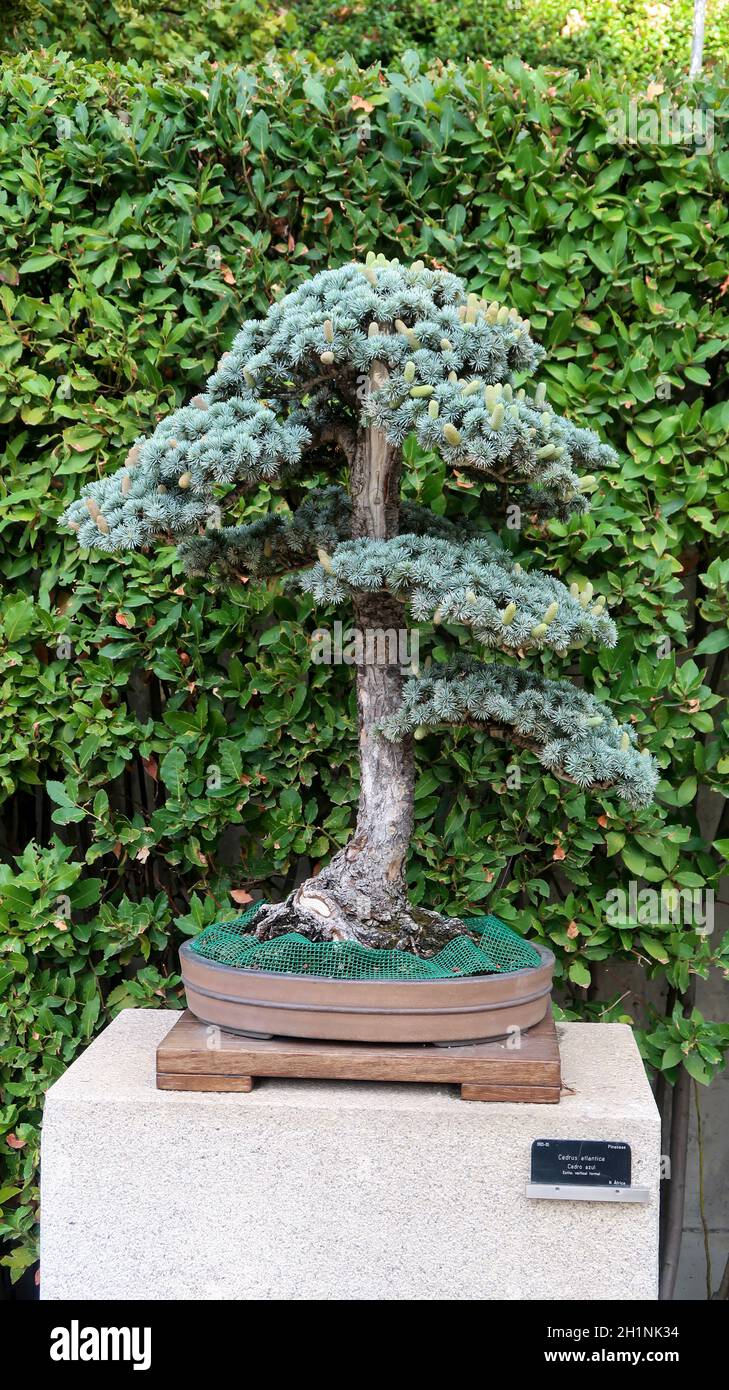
[(197, 1057)]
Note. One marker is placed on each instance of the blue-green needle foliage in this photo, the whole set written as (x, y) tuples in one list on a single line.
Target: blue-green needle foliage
[(444, 365), (468, 582), (571, 732), (290, 375)]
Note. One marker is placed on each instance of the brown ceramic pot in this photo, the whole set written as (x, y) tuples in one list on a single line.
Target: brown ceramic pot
[(456, 1010)]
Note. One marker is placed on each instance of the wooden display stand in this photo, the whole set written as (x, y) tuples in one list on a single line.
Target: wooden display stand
[(195, 1056)]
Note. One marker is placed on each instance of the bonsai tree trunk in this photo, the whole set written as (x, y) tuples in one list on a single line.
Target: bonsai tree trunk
[(361, 895)]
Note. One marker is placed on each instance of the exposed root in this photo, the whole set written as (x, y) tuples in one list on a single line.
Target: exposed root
[(323, 914)]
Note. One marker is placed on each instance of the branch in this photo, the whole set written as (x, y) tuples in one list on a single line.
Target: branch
[(470, 582), (571, 733), (480, 423)]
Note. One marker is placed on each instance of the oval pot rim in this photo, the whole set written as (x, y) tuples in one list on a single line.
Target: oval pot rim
[(547, 959)]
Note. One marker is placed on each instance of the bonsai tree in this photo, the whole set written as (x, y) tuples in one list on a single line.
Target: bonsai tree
[(337, 376)]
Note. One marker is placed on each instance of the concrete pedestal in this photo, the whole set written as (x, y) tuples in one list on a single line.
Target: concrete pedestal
[(336, 1190)]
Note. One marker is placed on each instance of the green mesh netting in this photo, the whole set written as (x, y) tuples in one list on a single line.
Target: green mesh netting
[(497, 951)]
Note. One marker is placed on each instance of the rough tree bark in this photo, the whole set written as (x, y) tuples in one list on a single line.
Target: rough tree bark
[(361, 895)]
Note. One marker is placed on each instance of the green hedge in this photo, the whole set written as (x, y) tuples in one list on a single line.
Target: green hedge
[(168, 750), (636, 38), (626, 37), (123, 29)]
